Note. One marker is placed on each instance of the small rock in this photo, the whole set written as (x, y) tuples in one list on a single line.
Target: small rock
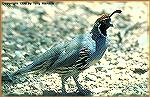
[(98, 69), (9, 66), (18, 53), (92, 77), (27, 87), (99, 89), (120, 68), (36, 86), (22, 79), (140, 71), (5, 58), (20, 86)]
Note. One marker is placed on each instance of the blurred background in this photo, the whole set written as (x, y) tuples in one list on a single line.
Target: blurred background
[(30, 30)]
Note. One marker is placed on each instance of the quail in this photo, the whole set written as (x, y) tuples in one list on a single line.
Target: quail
[(73, 57)]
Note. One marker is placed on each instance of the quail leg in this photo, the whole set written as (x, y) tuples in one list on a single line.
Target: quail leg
[(63, 79), (80, 88)]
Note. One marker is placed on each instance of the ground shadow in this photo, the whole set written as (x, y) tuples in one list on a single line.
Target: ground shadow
[(53, 93)]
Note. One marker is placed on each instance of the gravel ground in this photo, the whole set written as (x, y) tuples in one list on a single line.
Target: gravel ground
[(28, 31)]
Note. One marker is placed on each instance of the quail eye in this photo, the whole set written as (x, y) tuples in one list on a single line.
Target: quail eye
[(103, 20)]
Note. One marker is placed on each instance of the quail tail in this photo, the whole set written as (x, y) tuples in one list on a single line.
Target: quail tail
[(7, 76)]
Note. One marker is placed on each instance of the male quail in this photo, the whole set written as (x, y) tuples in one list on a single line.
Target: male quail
[(72, 58)]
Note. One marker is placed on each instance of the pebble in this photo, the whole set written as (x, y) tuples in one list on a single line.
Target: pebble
[(36, 86), (20, 86), (18, 53), (99, 89), (121, 62), (22, 79), (27, 88), (92, 77), (5, 58), (9, 66), (115, 91)]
